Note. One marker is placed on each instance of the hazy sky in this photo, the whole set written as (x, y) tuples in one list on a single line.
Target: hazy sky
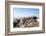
[(20, 12)]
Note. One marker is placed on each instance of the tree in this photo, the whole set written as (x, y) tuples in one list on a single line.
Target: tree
[(34, 17)]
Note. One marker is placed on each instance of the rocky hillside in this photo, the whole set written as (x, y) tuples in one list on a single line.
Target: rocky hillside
[(26, 22)]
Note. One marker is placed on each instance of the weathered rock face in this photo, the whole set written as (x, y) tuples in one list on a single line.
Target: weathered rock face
[(29, 23), (26, 22)]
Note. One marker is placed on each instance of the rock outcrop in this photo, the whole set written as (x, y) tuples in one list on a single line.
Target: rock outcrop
[(26, 22)]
